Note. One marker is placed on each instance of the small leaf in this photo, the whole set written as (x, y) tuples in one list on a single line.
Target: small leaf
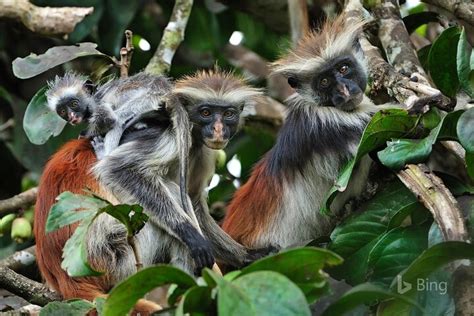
[(123, 296), (442, 61), (363, 294), (269, 293), (465, 130), (40, 122), (70, 307), (131, 216), (33, 64), (423, 54), (463, 64), (197, 299)]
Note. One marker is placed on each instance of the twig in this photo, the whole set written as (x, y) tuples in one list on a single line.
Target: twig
[(44, 20), (10, 123), (173, 35), (22, 200), (136, 252), (20, 259), (431, 191), (299, 22), (32, 291), (461, 9), (126, 54)]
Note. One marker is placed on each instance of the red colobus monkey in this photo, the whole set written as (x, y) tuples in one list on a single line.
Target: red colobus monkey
[(144, 170), (279, 205)]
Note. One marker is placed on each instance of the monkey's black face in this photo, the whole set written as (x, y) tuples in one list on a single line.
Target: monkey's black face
[(215, 123), (72, 110), (340, 83)]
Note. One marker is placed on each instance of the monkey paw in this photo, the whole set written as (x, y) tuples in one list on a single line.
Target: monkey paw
[(202, 255), (97, 143), (255, 254)]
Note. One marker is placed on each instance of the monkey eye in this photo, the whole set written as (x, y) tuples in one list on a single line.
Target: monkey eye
[(205, 113), (343, 69), (62, 112), (293, 82), (229, 114), (324, 82)]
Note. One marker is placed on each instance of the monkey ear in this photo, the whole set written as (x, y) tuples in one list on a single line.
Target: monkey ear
[(90, 86)]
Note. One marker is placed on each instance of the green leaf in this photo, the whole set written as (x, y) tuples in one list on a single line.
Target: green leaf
[(363, 294), (40, 122), (71, 208), (423, 55), (463, 60), (131, 216), (196, 301), (465, 130), (434, 258), (302, 266), (123, 296), (442, 61), (394, 251), (67, 308), (385, 125), (33, 64), (455, 185), (267, 293), (415, 20), (232, 300), (470, 164)]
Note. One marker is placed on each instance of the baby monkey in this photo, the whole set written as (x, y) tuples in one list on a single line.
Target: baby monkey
[(110, 108)]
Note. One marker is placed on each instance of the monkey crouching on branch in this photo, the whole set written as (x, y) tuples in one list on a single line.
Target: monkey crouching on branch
[(108, 109), (279, 204), (144, 170)]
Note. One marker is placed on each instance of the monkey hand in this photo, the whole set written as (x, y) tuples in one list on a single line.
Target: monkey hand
[(201, 252), (97, 143), (255, 254)]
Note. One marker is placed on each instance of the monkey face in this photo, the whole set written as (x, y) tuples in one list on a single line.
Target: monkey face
[(215, 123), (340, 84), (72, 110)]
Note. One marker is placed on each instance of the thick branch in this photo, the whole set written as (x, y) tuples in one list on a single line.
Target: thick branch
[(431, 191), (299, 22), (30, 290), (20, 259), (173, 35), (22, 200), (462, 9), (44, 20)]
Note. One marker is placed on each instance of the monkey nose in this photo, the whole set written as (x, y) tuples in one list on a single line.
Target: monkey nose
[(343, 90)]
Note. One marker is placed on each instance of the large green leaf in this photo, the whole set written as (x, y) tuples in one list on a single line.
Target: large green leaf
[(196, 301), (123, 297), (70, 308), (385, 125), (33, 64), (442, 61), (302, 266), (465, 71), (264, 293), (396, 250), (400, 152), (363, 294), (465, 130), (40, 122)]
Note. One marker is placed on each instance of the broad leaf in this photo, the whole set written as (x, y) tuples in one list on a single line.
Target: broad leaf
[(196, 300), (40, 122), (385, 125), (465, 130), (70, 307), (232, 300), (363, 294), (131, 216), (302, 266), (442, 61), (463, 64), (123, 296), (33, 64)]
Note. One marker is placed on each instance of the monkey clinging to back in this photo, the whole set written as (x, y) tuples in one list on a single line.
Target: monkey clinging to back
[(110, 108), (279, 205)]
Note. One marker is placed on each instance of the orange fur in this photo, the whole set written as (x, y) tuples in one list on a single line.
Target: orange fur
[(68, 170), (253, 206)]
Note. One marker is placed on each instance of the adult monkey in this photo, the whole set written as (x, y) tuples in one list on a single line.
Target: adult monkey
[(279, 204), (143, 169)]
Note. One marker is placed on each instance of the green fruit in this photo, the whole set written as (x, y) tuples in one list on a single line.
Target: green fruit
[(6, 223), (221, 159), (21, 230), (29, 214)]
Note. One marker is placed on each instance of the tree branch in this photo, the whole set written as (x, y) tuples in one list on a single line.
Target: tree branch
[(126, 54), (22, 200), (44, 20), (462, 9), (30, 290), (299, 22), (173, 35), (20, 259), (431, 191)]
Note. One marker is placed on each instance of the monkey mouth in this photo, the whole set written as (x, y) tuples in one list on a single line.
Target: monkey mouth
[(351, 104), (76, 120), (214, 144)]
